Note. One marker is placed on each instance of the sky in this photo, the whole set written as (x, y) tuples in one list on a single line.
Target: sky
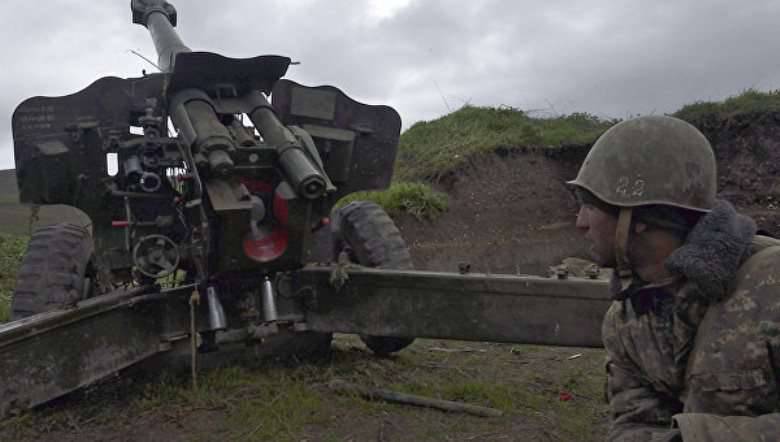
[(425, 58)]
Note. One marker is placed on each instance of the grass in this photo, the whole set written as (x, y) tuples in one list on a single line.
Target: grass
[(525, 385), (417, 199), (430, 149), (750, 101), (292, 402), (269, 404), (271, 401), (434, 148), (710, 116), (11, 251)]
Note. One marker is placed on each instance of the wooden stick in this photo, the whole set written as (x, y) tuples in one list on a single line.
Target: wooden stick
[(412, 399), (457, 350)]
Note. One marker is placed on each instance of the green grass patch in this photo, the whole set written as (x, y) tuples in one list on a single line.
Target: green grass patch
[(292, 402), (751, 101), (269, 404), (480, 393), (531, 397), (417, 199), (430, 149), (12, 249)]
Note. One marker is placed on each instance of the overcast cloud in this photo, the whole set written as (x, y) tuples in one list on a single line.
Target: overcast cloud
[(423, 57)]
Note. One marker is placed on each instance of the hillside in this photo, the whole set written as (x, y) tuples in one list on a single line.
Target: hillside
[(508, 208), (8, 188)]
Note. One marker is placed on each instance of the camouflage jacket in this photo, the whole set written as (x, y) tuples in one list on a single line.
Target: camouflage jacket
[(697, 357)]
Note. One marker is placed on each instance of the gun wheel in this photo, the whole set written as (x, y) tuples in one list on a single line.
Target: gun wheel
[(371, 239), (55, 270)]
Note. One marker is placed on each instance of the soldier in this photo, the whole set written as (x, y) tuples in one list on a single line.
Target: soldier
[(693, 334)]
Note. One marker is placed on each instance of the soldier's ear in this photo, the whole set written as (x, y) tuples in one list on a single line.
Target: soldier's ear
[(640, 227)]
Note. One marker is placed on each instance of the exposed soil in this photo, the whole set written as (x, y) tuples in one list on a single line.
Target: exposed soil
[(508, 213), (748, 152)]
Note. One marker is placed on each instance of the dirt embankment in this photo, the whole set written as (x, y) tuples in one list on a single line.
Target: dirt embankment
[(508, 213), (747, 148), (512, 213)]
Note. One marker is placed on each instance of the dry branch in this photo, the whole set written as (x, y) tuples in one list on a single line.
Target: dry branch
[(412, 399)]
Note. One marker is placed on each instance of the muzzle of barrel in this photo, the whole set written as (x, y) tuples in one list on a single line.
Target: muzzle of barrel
[(307, 181), (193, 114), (305, 178)]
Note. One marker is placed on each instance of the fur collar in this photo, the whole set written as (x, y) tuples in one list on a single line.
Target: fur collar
[(713, 251)]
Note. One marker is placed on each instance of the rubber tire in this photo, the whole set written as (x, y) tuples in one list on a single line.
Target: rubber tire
[(374, 241), (53, 271)]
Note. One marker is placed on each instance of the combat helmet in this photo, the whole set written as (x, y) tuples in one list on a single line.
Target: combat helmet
[(651, 160)]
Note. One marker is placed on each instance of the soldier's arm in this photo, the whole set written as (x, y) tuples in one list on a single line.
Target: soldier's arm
[(700, 427), (638, 411), (739, 343)]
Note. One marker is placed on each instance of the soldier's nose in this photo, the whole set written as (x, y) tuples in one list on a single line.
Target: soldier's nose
[(582, 219)]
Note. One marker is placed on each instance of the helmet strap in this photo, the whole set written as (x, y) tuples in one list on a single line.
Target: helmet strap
[(621, 246)]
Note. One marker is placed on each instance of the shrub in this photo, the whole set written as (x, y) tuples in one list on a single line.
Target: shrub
[(417, 199)]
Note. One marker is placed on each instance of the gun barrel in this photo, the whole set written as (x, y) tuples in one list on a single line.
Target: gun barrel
[(166, 41), (297, 166), (159, 17)]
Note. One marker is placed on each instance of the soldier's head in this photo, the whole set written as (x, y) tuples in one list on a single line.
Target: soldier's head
[(653, 173)]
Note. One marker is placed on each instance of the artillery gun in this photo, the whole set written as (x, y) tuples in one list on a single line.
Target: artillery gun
[(212, 227)]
